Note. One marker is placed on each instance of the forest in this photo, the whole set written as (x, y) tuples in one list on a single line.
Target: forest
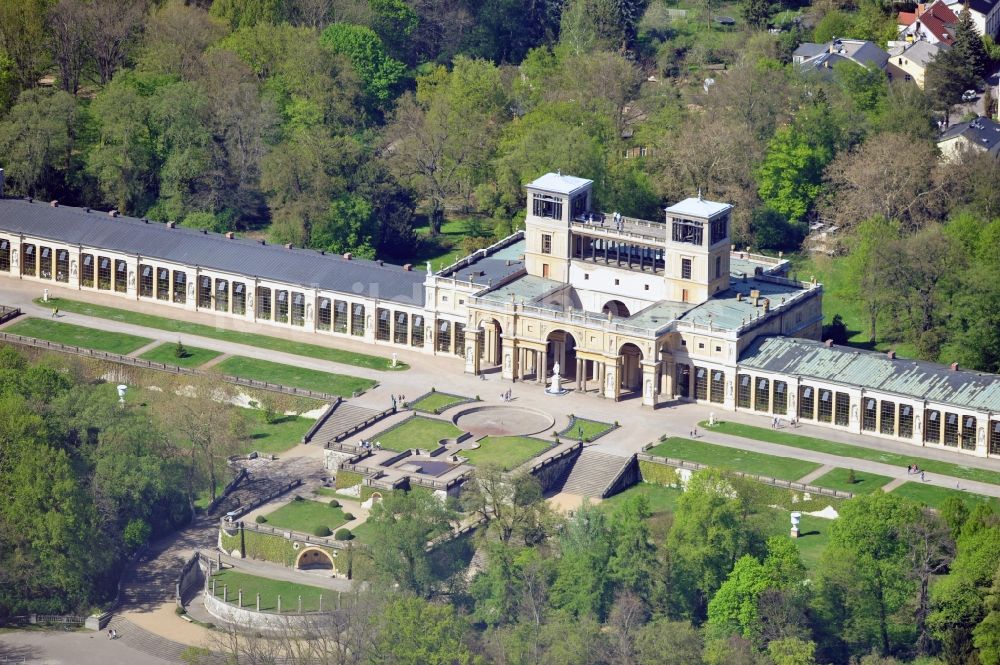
[(406, 130)]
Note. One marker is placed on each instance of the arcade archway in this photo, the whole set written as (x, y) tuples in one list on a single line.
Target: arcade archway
[(616, 308), (491, 342), (314, 558), (561, 349), (630, 376)]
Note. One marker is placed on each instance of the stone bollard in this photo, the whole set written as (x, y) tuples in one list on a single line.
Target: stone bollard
[(213, 587), (241, 598), (225, 593), (300, 604), (258, 602), (321, 602), (279, 604)]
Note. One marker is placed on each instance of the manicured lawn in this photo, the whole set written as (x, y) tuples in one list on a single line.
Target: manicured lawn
[(250, 339), (417, 432), (437, 402), (506, 451), (277, 437), (661, 499), (814, 534), (441, 251), (837, 480), (306, 516), (88, 338), (167, 353), (858, 452), (363, 533), (288, 375), (784, 468), (269, 591), (591, 429), (934, 496)]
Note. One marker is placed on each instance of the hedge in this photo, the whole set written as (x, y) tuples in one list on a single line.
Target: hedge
[(658, 474)]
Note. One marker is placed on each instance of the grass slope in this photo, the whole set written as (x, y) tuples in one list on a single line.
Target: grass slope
[(857, 452), (506, 451), (239, 337), (306, 516), (591, 429), (88, 338), (436, 402), (784, 468), (277, 437), (166, 353), (288, 375), (935, 496), (269, 591)]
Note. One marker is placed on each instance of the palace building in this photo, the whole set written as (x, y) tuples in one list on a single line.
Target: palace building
[(657, 311)]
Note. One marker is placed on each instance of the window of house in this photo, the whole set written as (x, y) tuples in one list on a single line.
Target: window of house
[(358, 320), (743, 391), (121, 276), (104, 273), (870, 415), (950, 429), (180, 286), (402, 328), (578, 205), (887, 424), (459, 339), (685, 268), (701, 345), (87, 270), (298, 308), (145, 281), (994, 437), (718, 266), (700, 383), (264, 303), (29, 260), (324, 316), (687, 231), (204, 292), (62, 265), (842, 409), (824, 412), (444, 336), (684, 295), (717, 389), (417, 336), (543, 205), (932, 426), (617, 282), (222, 295), (5, 255), (718, 349), (807, 402), (281, 306), (162, 284), (906, 421), (645, 287), (546, 243), (780, 397), (968, 433), (763, 397), (45, 262), (586, 276), (340, 316), (382, 326), (239, 298)]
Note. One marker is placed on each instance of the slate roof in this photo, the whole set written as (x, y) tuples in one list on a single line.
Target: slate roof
[(484, 267), (874, 371), (984, 133), (128, 235), (559, 183), (857, 51), (725, 311), (922, 52), (698, 207)]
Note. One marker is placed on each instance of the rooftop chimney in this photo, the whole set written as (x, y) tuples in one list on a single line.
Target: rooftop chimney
[(767, 305), (288, 245), (829, 343), (229, 235), (891, 354), (954, 367), (381, 262), (54, 203)]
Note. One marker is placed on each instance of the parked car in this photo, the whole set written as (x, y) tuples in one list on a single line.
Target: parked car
[(968, 95)]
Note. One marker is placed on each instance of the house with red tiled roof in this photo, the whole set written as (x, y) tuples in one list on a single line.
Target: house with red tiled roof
[(934, 23)]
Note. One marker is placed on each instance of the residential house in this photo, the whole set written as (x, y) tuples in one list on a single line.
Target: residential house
[(934, 23), (985, 14), (823, 57), (909, 61), (981, 134)]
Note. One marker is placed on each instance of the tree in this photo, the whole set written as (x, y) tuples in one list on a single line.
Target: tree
[(582, 586), (969, 48), (665, 642), (986, 635), (756, 13), (244, 13), (633, 566), (176, 37), (931, 550), (394, 21), (69, 34), (23, 39), (792, 651), (115, 24), (512, 507), (415, 632), (379, 73), (403, 523), (866, 573), (37, 139), (872, 258), (946, 77)]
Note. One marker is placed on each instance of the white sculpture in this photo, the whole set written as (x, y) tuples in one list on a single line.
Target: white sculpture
[(555, 387)]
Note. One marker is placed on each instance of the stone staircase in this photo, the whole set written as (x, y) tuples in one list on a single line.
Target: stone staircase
[(146, 642), (592, 472), (344, 417)]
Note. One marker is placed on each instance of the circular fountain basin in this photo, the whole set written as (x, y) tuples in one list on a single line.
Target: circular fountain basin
[(502, 421)]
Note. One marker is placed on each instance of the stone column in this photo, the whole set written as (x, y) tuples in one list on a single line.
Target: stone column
[(579, 373), (649, 387), (542, 368), (601, 372), (510, 365), (472, 348)]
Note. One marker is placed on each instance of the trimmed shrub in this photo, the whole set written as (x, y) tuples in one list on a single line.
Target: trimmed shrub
[(334, 503), (344, 534), (260, 519), (298, 498), (322, 531), (348, 516)]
